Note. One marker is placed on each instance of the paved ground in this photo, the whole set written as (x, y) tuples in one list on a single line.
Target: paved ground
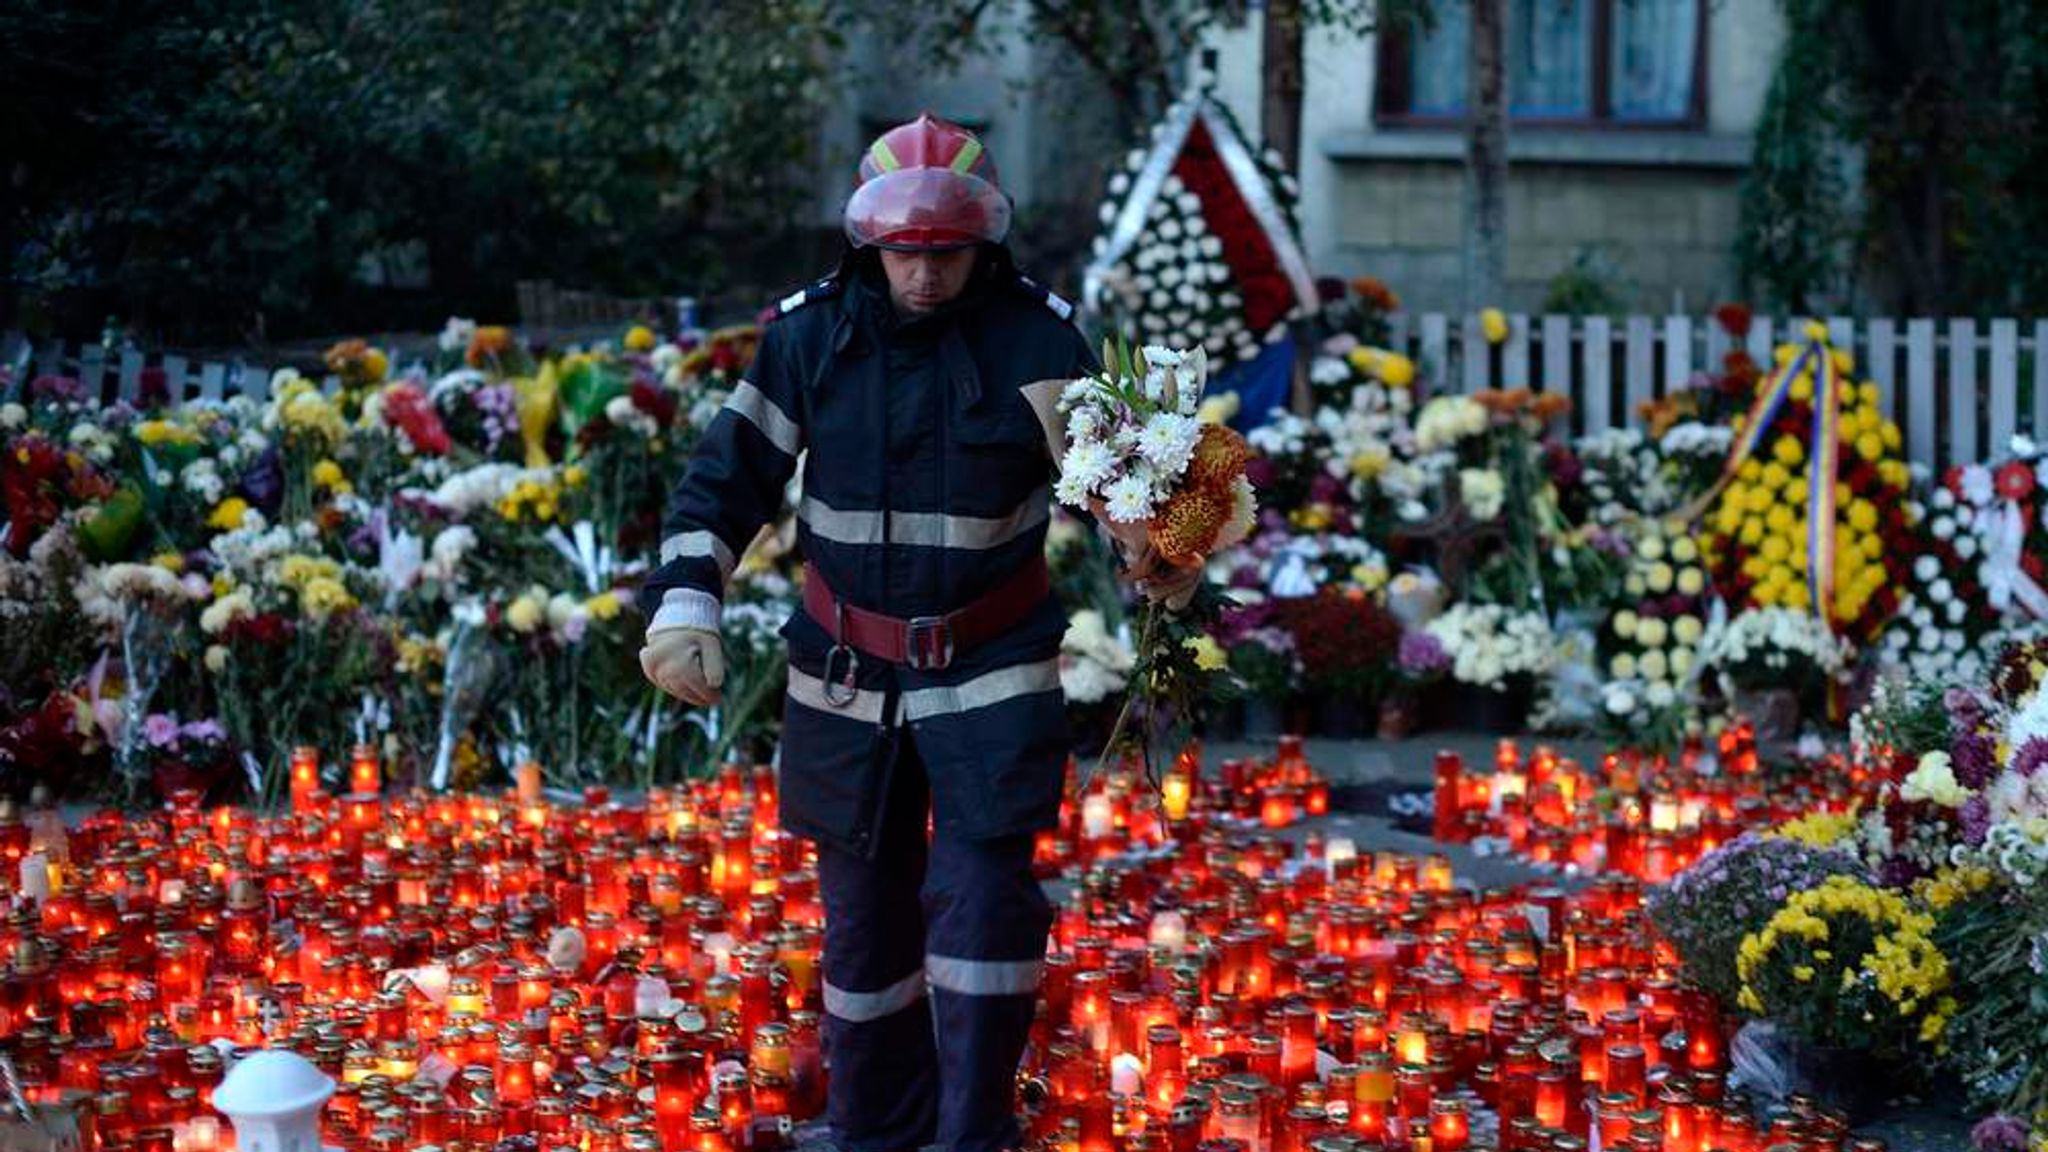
[(1363, 774)]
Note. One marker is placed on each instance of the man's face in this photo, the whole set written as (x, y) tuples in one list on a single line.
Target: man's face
[(922, 281)]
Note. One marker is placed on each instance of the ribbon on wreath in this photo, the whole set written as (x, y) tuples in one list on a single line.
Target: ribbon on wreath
[(1823, 461), (2006, 583)]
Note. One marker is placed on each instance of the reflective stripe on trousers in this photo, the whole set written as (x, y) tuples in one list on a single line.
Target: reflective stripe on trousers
[(928, 1001)]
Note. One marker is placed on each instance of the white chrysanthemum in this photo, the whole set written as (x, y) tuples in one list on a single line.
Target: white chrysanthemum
[(1976, 484), (1069, 490), (450, 545), (1129, 499), (1088, 462), (2029, 722), (1168, 440)]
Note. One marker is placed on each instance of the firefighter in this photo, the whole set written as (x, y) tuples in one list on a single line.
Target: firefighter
[(915, 382)]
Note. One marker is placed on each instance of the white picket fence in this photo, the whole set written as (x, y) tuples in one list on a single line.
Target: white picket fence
[(118, 375), (1958, 388)]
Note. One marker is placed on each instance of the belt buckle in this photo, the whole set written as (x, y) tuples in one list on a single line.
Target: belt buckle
[(928, 643)]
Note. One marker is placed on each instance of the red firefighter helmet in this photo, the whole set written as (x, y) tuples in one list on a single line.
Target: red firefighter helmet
[(924, 186)]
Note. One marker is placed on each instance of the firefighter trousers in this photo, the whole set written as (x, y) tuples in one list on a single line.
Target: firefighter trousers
[(934, 949)]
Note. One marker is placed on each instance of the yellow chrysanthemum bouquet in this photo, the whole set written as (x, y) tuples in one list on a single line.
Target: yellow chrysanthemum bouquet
[(1850, 966), (1811, 514)]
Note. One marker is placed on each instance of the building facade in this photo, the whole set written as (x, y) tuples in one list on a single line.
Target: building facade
[(1631, 129)]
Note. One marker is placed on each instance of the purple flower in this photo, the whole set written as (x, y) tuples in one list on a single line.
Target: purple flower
[(1422, 654), (1260, 472), (1999, 1132), (263, 483), (1975, 759), (1898, 872), (2031, 758), (1975, 818), (1965, 708), (57, 389), (1325, 489), (204, 731), (160, 730)]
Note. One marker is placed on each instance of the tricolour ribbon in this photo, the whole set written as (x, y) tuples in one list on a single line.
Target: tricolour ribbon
[(1824, 458)]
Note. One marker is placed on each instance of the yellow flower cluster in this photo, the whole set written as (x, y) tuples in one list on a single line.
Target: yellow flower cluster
[(1208, 654), (328, 474), (299, 570), (156, 433), (1818, 829), (418, 654), (1903, 963), (227, 515), (302, 410), (640, 338), (1762, 514), (1657, 648), (323, 596), (539, 500), (1389, 368), (1941, 891)]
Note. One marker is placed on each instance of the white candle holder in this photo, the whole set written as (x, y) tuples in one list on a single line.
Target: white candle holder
[(274, 1100)]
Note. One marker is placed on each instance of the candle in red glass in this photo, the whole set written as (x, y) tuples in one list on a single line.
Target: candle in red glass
[(1411, 1041), (1449, 768), (1553, 1098), (1450, 1129), (305, 777), (363, 773), (1700, 1017), (1625, 1070), (1090, 992), (1414, 1092)]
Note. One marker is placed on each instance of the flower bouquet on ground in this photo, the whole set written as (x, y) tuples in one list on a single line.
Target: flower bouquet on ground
[(1706, 911), (1172, 492), (1774, 664)]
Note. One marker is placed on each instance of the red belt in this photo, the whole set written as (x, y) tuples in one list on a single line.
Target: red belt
[(926, 643)]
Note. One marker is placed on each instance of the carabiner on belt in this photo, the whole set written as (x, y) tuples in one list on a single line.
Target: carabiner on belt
[(836, 685)]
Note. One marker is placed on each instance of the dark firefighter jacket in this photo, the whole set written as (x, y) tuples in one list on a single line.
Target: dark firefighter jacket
[(926, 481)]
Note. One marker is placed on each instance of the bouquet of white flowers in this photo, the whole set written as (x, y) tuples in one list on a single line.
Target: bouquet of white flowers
[(1489, 643), (1171, 491)]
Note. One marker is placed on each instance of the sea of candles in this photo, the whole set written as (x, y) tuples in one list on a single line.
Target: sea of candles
[(509, 973), (1646, 816)]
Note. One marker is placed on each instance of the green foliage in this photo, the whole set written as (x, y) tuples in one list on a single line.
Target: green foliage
[(219, 170), (1139, 49), (1941, 102), (1591, 286)]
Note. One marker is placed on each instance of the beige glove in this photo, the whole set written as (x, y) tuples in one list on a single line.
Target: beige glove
[(686, 663)]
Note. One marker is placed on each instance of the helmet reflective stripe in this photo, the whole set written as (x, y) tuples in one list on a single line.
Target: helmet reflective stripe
[(970, 151), (883, 158)]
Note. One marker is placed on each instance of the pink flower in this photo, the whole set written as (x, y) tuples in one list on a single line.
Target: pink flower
[(160, 730)]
